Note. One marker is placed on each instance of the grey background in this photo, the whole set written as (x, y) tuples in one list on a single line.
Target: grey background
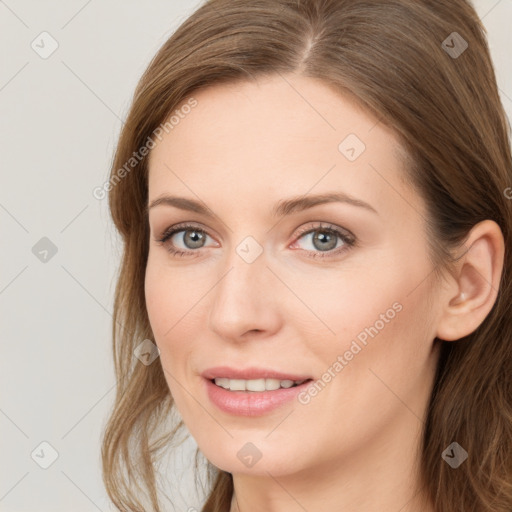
[(60, 118)]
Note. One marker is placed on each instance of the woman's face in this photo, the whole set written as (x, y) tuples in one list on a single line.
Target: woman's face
[(335, 292)]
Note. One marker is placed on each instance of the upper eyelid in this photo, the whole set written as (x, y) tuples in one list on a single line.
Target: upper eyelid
[(185, 226), (328, 227)]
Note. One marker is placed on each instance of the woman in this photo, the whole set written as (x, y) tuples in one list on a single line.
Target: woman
[(315, 220)]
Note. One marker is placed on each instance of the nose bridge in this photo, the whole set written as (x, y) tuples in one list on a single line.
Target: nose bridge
[(243, 297)]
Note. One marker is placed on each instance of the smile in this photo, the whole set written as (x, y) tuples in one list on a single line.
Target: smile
[(256, 385)]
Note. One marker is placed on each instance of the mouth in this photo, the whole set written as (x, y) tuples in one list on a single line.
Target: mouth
[(252, 397), (252, 391), (256, 385)]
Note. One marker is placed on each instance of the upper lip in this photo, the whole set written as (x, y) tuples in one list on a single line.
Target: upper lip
[(249, 374)]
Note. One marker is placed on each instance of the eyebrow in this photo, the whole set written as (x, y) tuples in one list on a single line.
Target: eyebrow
[(281, 209)]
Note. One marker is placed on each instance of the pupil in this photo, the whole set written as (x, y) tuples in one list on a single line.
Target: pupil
[(322, 237), (198, 238)]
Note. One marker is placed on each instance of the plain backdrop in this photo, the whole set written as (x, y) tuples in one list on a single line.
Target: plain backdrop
[(60, 118)]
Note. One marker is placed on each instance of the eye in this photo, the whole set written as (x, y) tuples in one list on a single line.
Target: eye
[(192, 237), (324, 242)]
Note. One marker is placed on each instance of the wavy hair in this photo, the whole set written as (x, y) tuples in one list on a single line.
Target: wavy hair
[(447, 112)]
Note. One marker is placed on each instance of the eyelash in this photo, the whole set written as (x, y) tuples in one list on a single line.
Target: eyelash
[(348, 240)]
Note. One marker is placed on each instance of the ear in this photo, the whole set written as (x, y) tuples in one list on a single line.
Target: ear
[(471, 292)]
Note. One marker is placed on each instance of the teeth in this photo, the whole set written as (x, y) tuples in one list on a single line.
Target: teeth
[(255, 384)]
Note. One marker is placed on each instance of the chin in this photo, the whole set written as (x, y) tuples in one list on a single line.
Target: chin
[(254, 458)]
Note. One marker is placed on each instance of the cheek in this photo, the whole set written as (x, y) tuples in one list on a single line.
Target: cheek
[(378, 318), (169, 294), (382, 350), (339, 304), (167, 304), (157, 301), (177, 303), (386, 343)]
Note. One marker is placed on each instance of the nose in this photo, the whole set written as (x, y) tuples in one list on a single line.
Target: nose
[(245, 300)]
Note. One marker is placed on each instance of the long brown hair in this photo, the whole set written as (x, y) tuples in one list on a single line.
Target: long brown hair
[(403, 62)]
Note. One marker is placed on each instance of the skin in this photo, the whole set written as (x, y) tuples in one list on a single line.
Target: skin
[(243, 148)]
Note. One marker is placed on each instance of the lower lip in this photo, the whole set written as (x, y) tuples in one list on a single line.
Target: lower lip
[(251, 403)]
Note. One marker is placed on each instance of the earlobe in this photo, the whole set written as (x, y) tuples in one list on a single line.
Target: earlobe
[(474, 288)]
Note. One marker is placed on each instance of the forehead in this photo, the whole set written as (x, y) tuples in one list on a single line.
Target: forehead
[(273, 137)]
